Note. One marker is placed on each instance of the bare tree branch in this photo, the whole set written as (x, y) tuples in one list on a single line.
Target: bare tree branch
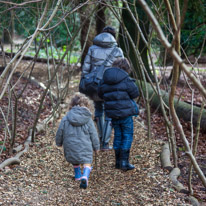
[(172, 51), (20, 4), (198, 84)]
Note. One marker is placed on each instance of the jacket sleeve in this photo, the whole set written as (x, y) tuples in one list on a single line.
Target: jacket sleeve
[(133, 90), (120, 54), (86, 68), (59, 134), (94, 136)]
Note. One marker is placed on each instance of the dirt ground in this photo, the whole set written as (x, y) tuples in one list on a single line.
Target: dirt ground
[(45, 178)]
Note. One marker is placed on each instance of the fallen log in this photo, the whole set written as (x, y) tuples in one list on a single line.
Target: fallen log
[(41, 126), (193, 201), (174, 174), (16, 158), (17, 149), (165, 157), (183, 109)]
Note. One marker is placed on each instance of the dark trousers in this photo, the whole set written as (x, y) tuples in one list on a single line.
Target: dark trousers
[(99, 110), (123, 133)]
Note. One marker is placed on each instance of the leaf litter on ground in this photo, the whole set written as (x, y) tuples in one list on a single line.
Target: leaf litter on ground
[(45, 178)]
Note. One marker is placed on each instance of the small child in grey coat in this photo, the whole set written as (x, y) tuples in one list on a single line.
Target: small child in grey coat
[(79, 137)]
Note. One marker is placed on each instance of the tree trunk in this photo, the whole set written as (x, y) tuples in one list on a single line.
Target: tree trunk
[(139, 43), (85, 37), (100, 18), (84, 31)]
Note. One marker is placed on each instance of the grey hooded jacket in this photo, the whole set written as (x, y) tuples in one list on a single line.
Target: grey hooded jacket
[(103, 45), (78, 136)]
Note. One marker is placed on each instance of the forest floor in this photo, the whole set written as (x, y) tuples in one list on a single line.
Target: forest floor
[(45, 178)]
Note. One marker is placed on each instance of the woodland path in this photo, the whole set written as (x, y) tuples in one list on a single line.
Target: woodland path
[(45, 178)]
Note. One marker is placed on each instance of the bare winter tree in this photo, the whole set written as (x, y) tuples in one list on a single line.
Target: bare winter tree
[(49, 17), (154, 96), (78, 20), (178, 62)]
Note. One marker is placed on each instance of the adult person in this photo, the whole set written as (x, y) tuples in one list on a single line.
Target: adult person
[(103, 45)]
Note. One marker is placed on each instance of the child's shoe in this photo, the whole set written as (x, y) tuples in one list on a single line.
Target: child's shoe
[(77, 172), (124, 163), (85, 177)]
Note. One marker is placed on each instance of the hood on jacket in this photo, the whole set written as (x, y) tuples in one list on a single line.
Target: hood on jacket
[(78, 116), (105, 40), (114, 75)]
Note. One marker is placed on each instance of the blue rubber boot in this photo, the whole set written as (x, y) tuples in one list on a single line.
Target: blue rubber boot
[(85, 177), (77, 172)]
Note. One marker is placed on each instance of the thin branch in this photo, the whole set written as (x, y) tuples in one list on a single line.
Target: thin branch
[(198, 84), (20, 4), (172, 51)]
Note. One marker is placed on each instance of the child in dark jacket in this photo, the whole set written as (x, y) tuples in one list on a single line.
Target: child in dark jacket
[(79, 137), (118, 91)]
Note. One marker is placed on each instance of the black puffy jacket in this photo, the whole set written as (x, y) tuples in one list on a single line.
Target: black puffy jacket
[(118, 91)]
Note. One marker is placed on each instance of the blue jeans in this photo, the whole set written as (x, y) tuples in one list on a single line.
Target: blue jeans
[(123, 133), (99, 110)]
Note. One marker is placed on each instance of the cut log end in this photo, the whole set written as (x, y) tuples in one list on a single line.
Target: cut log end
[(165, 157)]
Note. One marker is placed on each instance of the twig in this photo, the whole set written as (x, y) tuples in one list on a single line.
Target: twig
[(16, 158)]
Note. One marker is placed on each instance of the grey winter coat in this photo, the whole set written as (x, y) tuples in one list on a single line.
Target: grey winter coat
[(102, 46), (78, 136)]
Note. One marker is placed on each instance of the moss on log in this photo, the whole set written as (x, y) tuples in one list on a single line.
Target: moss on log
[(183, 109)]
